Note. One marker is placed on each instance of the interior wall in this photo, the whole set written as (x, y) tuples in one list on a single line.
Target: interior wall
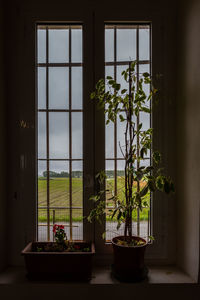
[(2, 149), (188, 138)]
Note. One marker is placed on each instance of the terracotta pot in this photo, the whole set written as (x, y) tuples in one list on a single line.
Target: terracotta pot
[(58, 265), (129, 261)]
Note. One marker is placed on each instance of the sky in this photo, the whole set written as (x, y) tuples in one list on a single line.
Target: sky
[(59, 93)]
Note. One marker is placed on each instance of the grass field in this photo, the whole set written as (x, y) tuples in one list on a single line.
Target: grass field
[(59, 197)]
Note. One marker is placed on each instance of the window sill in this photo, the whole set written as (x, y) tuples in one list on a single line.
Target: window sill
[(102, 276)]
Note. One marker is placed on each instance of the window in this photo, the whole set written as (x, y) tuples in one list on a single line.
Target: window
[(97, 61), (125, 43), (60, 129)]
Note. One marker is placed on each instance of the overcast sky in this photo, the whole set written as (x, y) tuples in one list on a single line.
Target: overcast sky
[(59, 92)]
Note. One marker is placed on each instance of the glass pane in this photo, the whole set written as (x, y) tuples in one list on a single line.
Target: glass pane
[(41, 88), (109, 45), (109, 71), (120, 179), (77, 200), (58, 135), (42, 150), (110, 181), (120, 78), (42, 201), (77, 184), (121, 127), (77, 143), (142, 69), (42, 183), (59, 186), (76, 36), (58, 45), (145, 162), (110, 140), (126, 44), (145, 120), (77, 225), (41, 45), (77, 88), (58, 88), (144, 51)]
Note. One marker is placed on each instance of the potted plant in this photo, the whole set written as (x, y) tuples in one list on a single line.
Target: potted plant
[(61, 259), (138, 180)]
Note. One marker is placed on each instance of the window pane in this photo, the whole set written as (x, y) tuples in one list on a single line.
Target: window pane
[(58, 135), (41, 46), (126, 44), (120, 78), (145, 120), (41, 88), (77, 88), (42, 200), (42, 150), (58, 88), (109, 42), (42, 183), (110, 140), (59, 186), (58, 45), (77, 200), (121, 128), (142, 69), (77, 144), (110, 173), (144, 44), (120, 179), (76, 36)]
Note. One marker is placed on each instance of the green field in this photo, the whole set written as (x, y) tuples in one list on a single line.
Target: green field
[(59, 197)]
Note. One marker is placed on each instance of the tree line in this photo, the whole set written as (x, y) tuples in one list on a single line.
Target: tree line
[(79, 174)]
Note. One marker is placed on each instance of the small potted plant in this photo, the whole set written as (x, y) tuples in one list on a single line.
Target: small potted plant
[(138, 180), (61, 259)]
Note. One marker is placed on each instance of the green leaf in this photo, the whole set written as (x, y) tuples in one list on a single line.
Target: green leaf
[(145, 109), (121, 118), (151, 238), (159, 182), (152, 186), (111, 82), (109, 77), (157, 157), (92, 95), (146, 74), (104, 235), (119, 215), (117, 86), (140, 126), (123, 91), (144, 191)]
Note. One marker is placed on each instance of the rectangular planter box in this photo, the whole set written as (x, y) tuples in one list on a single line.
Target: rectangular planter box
[(58, 265)]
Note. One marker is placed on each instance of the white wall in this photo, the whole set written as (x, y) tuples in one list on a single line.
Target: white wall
[(188, 136)]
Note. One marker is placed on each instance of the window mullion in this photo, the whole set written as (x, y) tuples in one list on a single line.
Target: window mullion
[(47, 132)]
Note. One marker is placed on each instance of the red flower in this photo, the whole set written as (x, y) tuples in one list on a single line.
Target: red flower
[(77, 247), (61, 226), (55, 228)]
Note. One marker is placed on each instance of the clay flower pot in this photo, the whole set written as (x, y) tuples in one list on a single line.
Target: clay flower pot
[(129, 260)]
